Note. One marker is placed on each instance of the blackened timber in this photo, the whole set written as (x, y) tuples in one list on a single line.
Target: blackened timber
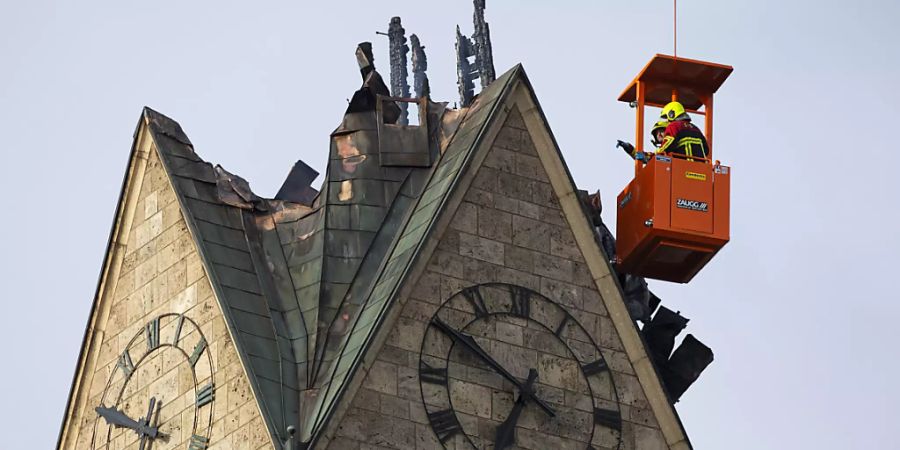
[(484, 58), (398, 51), (419, 66), (464, 72), (365, 59)]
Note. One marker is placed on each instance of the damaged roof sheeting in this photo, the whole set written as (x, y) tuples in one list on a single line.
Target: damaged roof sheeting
[(304, 279), (678, 370)]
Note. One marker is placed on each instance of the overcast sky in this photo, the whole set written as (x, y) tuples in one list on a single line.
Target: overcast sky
[(797, 308)]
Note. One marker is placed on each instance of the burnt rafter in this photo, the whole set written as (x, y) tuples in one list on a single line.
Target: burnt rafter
[(479, 47), (398, 54), (484, 57), (419, 67)]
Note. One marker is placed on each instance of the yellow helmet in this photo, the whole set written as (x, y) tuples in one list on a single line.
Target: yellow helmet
[(672, 111), (659, 125)]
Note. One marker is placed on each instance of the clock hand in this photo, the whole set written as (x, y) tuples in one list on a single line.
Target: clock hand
[(118, 419), (151, 432), (470, 343), (506, 431)]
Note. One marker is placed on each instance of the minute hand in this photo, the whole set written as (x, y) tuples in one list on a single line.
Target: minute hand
[(470, 343)]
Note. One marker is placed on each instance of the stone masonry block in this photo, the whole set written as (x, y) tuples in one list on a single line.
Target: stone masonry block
[(553, 217), (481, 248), (646, 438), (530, 167), (531, 234), (515, 139), (514, 186), (506, 204), (518, 258), (466, 218), (486, 179), (446, 263), (562, 243), (542, 194), (382, 377), (479, 197), (501, 159), (553, 267), (495, 224), (428, 287), (591, 301), (565, 293)]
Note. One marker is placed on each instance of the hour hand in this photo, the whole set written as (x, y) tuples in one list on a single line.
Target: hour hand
[(506, 431), (117, 418)]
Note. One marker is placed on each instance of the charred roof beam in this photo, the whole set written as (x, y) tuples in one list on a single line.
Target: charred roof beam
[(419, 66), (478, 46), (399, 76)]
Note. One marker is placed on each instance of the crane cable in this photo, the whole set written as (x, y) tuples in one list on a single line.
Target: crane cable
[(675, 28), (675, 42)]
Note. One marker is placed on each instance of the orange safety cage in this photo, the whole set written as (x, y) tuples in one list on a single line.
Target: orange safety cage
[(674, 215)]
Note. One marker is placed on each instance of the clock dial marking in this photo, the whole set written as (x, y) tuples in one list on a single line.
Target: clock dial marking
[(125, 363), (562, 326), (433, 375), (198, 443), (608, 418), (444, 424), (177, 336), (594, 368), (198, 350), (152, 334), (521, 302), (205, 395), (473, 295)]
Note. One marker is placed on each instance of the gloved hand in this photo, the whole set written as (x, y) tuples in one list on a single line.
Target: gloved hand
[(641, 156), (625, 146)]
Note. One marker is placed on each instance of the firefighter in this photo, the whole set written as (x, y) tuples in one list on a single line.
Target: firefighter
[(680, 135), (658, 132), (656, 137)]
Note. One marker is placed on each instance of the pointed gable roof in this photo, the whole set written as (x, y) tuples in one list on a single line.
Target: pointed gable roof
[(438, 203)]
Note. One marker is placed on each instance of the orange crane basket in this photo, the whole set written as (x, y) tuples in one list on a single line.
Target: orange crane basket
[(673, 216)]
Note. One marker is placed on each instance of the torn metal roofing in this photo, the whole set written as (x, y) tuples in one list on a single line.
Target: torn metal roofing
[(304, 280)]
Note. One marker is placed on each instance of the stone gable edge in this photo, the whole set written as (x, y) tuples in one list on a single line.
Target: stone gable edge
[(106, 283)]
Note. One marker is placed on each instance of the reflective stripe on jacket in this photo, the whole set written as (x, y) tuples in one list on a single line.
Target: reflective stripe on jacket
[(684, 138)]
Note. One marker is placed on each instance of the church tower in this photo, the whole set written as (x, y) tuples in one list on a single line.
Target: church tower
[(443, 288)]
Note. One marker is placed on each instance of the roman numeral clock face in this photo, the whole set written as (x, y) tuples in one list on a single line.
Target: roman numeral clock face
[(160, 393), (505, 367)]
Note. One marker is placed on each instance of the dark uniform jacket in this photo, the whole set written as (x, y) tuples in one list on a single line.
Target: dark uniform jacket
[(684, 138)]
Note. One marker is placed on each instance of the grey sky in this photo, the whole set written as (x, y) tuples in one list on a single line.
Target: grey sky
[(797, 307)]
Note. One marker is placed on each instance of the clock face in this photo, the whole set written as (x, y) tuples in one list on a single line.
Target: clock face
[(160, 392), (504, 367)]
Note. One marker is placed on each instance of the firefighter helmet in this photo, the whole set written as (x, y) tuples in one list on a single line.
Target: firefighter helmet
[(660, 125), (672, 111)]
